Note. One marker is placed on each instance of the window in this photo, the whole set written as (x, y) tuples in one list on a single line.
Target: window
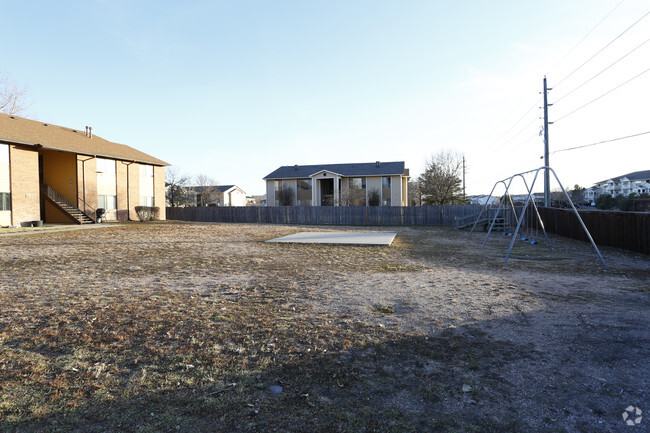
[(107, 202), (385, 191), (5, 201), (146, 170), (278, 186), (5, 182), (357, 191), (146, 185), (4, 153), (106, 179), (304, 192), (106, 167), (357, 183)]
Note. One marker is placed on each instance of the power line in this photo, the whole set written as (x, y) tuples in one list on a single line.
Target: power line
[(604, 94), (602, 49), (515, 124), (601, 142), (630, 52), (585, 37), (522, 130)]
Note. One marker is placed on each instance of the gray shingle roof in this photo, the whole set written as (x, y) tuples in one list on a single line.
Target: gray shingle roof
[(358, 169), (637, 175)]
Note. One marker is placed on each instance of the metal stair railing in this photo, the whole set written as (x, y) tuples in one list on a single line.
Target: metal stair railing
[(54, 196)]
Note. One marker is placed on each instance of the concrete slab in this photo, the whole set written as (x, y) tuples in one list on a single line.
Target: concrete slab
[(338, 238)]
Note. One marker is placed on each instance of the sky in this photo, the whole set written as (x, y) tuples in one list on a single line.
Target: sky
[(235, 89)]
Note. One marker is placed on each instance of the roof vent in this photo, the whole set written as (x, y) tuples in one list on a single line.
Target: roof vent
[(89, 132), (295, 167), (11, 117), (377, 164), (45, 124)]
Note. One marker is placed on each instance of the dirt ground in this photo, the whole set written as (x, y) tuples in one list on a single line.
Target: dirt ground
[(433, 333)]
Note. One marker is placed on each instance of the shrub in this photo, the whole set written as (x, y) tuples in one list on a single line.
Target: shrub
[(374, 199), (147, 213), (287, 195)]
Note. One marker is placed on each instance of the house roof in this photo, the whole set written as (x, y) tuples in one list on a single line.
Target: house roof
[(220, 188), (637, 175), (14, 129), (358, 169)]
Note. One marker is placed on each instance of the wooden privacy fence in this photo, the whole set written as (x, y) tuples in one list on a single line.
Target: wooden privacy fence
[(337, 215), (626, 230)]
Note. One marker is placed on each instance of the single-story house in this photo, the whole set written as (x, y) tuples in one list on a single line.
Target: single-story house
[(232, 195), (361, 184), (215, 195), (56, 174)]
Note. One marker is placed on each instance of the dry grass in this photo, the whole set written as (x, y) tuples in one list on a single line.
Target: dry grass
[(184, 327)]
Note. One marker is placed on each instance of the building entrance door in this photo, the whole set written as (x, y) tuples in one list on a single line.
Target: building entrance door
[(326, 192)]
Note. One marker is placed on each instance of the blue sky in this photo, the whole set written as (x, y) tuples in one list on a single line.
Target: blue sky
[(235, 89)]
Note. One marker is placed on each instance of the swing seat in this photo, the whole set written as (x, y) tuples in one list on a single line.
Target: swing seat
[(533, 241), (523, 238)]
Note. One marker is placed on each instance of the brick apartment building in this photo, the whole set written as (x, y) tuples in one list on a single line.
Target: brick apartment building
[(56, 175)]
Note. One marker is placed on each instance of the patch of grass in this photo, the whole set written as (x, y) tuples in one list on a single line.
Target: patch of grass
[(384, 309), (396, 267), (184, 327)]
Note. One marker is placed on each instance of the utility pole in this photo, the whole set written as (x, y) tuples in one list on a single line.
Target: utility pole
[(547, 183)]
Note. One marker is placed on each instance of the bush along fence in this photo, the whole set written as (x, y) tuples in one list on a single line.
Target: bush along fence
[(626, 230), (335, 215)]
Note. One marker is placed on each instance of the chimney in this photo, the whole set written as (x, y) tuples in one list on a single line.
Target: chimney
[(377, 164), (90, 132), (86, 134)]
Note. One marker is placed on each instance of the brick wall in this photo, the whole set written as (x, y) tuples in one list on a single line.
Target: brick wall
[(87, 178), (25, 195), (134, 190), (122, 190), (159, 190)]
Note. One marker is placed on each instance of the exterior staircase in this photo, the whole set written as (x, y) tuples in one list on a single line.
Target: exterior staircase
[(481, 219), (63, 205)]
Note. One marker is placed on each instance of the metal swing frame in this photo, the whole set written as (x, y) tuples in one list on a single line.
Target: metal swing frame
[(520, 218)]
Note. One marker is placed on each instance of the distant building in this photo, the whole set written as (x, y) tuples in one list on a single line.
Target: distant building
[(256, 200), (339, 184), (637, 182), (215, 195), (482, 199), (232, 195)]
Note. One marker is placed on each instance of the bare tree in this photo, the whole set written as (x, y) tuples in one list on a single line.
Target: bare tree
[(347, 197), (176, 184), (441, 184), (207, 191), (12, 97), (414, 192)]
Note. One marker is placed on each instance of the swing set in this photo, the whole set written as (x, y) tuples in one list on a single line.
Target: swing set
[(535, 218)]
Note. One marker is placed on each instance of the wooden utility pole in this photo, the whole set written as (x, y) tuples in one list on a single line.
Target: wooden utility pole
[(547, 187)]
